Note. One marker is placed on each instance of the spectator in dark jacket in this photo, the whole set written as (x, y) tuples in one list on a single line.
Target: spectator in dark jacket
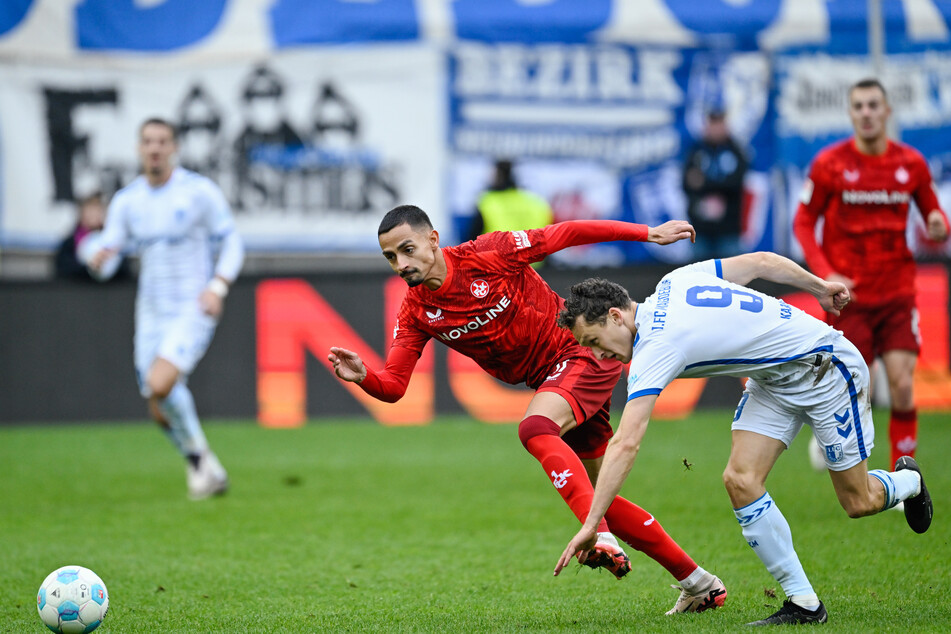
[(713, 181), (91, 210)]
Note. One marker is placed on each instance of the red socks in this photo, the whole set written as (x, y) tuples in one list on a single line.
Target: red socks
[(903, 434), (563, 466), (638, 528), (634, 525)]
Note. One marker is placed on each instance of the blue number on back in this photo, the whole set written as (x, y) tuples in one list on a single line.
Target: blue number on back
[(720, 296)]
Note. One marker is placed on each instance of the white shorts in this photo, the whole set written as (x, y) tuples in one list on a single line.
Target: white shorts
[(831, 397), (181, 340)]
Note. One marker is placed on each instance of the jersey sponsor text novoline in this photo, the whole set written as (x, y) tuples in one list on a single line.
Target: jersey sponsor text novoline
[(478, 321), (874, 197)]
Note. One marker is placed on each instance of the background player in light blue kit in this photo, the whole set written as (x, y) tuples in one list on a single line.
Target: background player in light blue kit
[(701, 322), (176, 220)]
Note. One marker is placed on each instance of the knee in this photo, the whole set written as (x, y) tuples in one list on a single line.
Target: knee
[(157, 387), (734, 482), (902, 389), (740, 486), (537, 426)]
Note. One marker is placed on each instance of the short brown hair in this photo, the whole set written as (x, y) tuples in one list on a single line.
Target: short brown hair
[(160, 121), (869, 82)]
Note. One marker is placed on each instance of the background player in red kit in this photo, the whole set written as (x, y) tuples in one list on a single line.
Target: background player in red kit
[(862, 187), (493, 307)]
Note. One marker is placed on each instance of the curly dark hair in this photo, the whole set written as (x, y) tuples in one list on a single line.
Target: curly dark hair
[(592, 298), (405, 214)]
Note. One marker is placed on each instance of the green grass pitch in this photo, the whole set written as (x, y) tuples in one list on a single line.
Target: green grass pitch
[(353, 527)]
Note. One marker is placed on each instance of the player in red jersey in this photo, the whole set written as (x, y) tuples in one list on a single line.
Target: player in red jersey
[(862, 186), (483, 299)]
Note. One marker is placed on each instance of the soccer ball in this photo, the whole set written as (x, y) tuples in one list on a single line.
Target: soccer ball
[(72, 599), (817, 457)]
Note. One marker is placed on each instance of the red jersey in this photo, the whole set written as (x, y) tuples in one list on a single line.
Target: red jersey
[(493, 307), (864, 200)]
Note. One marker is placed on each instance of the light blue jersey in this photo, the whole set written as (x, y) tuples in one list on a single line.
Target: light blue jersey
[(801, 370), (697, 324), (177, 228)]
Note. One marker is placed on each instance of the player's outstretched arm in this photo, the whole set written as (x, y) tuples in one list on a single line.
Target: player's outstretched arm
[(618, 460), (764, 265), (672, 231), (347, 365)]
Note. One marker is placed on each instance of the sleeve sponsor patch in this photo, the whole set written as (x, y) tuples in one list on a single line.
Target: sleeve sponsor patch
[(521, 240)]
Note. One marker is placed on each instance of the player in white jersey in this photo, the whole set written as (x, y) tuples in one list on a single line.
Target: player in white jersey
[(701, 322), (176, 220)]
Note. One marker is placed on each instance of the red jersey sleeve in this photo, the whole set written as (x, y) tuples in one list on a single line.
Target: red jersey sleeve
[(925, 196), (389, 384), (815, 195), (518, 248), (575, 232)]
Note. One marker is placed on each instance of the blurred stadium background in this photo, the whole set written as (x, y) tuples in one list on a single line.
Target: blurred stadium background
[(317, 116)]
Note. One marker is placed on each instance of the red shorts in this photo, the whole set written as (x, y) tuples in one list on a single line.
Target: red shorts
[(878, 329), (586, 384)]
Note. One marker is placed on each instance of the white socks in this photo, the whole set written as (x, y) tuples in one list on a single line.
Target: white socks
[(696, 580), (608, 538), (184, 429), (767, 532), (899, 485)]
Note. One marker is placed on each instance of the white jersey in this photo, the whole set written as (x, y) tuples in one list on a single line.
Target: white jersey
[(176, 229), (697, 324)]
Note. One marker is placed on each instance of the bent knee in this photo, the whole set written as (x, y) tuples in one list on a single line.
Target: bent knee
[(536, 426), (740, 485), (158, 388)]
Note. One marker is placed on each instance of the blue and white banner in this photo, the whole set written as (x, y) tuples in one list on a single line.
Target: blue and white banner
[(316, 116), (309, 147), (583, 120)]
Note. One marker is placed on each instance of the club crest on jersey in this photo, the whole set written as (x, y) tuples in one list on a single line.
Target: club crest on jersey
[(479, 289), (834, 452), (850, 175), (436, 316), (901, 175)]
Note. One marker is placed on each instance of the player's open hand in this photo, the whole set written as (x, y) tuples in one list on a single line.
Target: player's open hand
[(671, 231), (347, 365), (580, 546)]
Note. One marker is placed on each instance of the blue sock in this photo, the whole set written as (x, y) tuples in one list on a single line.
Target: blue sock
[(184, 428), (767, 532)]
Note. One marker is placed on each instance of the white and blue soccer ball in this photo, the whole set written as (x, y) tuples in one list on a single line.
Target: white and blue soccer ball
[(72, 599)]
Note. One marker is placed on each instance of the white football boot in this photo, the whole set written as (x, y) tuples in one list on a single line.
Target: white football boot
[(208, 479)]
